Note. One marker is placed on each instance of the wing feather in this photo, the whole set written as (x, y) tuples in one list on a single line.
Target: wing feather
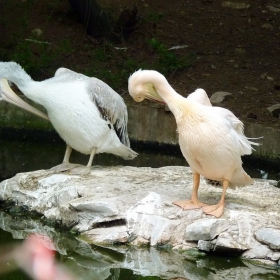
[(109, 103), (238, 126), (111, 106), (199, 96)]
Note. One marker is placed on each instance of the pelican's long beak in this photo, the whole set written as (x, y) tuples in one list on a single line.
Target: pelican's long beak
[(152, 94), (10, 96)]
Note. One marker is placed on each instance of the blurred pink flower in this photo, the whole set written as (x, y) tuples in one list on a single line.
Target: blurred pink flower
[(36, 256)]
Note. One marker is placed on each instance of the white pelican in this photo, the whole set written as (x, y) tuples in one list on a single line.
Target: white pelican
[(211, 138), (87, 114)]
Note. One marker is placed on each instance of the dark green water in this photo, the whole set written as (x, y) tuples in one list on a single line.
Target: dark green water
[(123, 263), (117, 263), (21, 152)]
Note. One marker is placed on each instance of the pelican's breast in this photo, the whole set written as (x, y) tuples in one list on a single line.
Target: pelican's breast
[(208, 144), (76, 118)]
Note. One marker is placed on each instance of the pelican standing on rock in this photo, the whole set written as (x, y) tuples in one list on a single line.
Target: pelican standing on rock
[(87, 114), (211, 138)]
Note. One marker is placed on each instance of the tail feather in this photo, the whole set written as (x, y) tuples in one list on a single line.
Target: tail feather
[(254, 143), (240, 179), (124, 152)]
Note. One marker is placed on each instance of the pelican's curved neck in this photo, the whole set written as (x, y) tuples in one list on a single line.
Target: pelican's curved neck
[(14, 73), (165, 90)]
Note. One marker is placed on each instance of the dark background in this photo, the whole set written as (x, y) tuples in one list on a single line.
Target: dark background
[(232, 49)]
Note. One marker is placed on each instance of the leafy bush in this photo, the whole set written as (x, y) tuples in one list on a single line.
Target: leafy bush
[(168, 60)]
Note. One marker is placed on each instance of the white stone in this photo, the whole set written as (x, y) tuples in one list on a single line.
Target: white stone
[(274, 256), (269, 236), (270, 78), (225, 241), (257, 251), (207, 246), (219, 96), (37, 31), (114, 235), (205, 229)]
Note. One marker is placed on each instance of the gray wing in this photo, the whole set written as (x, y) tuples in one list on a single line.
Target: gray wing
[(64, 74), (109, 103), (111, 107)]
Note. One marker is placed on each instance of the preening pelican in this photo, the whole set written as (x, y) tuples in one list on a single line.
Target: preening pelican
[(8, 95), (87, 114), (211, 138)]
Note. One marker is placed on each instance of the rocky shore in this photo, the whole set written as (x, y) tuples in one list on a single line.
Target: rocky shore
[(133, 206)]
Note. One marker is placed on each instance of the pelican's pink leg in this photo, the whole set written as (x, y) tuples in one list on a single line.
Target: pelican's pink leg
[(218, 209), (193, 203)]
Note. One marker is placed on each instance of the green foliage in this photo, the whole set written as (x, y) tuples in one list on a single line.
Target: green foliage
[(100, 54), (116, 74), (154, 17), (34, 55), (168, 60), (31, 60), (64, 47)]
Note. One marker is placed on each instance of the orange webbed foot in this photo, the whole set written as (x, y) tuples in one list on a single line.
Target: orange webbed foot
[(214, 210), (189, 204)]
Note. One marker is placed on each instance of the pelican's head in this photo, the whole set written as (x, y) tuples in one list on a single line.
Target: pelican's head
[(141, 87), (8, 95)]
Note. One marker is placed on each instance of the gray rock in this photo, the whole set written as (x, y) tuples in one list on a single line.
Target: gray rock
[(264, 264), (205, 229), (270, 78), (257, 251), (235, 5), (239, 51), (115, 235), (269, 236), (219, 97), (273, 8), (264, 75), (226, 243), (251, 88), (274, 256), (206, 246), (267, 26), (130, 205), (274, 110), (38, 32)]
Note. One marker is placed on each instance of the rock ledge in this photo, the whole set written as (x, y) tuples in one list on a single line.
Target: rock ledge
[(129, 205)]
